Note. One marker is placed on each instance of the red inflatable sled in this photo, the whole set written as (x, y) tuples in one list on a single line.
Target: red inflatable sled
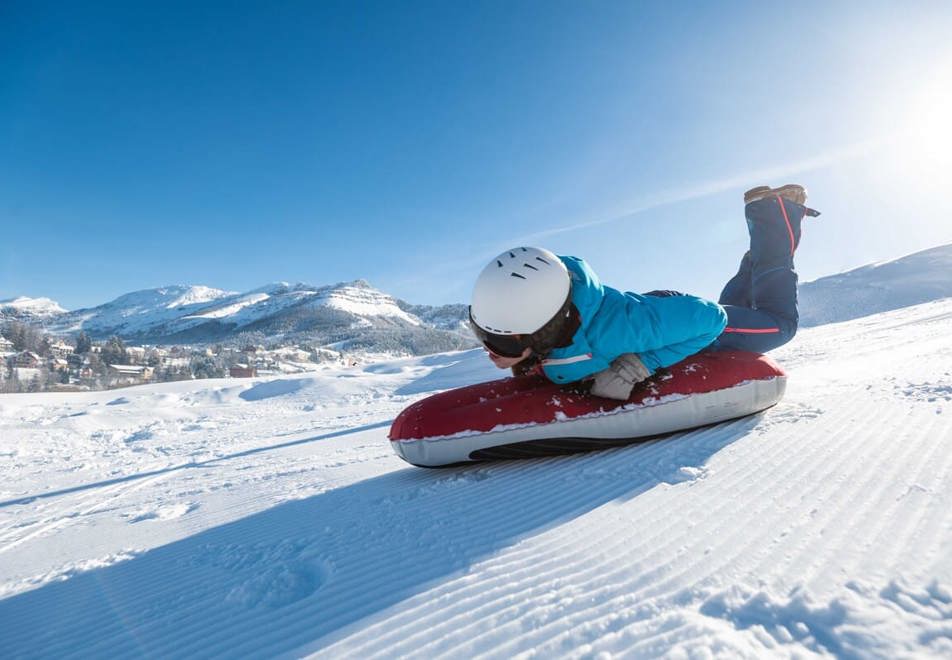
[(531, 416)]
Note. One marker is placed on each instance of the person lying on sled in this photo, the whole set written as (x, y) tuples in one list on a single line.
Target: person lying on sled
[(534, 311)]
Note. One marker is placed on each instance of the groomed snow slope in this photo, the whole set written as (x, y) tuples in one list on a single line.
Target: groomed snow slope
[(263, 518)]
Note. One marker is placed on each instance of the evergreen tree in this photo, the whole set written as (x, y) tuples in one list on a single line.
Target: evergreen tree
[(16, 332), (206, 367), (83, 343), (114, 351)]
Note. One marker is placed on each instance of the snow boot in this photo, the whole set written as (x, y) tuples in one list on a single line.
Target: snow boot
[(793, 192)]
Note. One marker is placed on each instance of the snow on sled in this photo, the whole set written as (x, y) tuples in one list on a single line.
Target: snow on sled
[(530, 416)]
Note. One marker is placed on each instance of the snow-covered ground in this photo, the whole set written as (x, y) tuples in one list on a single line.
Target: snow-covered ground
[(270, 517)]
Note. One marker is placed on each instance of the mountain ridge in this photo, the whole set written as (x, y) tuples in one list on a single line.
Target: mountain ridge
[(881, 286), (351, 314), (26, 308)]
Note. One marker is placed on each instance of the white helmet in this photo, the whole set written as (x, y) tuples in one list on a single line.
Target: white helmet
[(520, 291)]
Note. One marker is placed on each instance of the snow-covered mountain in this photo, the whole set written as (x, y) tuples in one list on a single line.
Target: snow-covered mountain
[(30, 309), (137, 312), (879, 287), (351, 313), (444, 317)]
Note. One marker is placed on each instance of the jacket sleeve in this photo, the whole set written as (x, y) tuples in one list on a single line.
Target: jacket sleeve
[(670, 329)]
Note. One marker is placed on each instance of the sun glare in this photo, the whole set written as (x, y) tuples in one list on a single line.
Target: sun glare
[(919, 155)]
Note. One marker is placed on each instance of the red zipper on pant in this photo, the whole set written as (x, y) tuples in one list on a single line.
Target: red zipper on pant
[(783, 210)]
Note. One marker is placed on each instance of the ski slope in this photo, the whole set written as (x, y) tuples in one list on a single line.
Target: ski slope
[(262, 518)]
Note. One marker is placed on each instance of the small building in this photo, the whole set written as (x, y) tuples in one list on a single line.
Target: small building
[(128, 374), (295, 355), (66, 387), (6, 346), (136, 354), (29, 360), (28, 376), (243, 371), (58, 364), (61, 349)]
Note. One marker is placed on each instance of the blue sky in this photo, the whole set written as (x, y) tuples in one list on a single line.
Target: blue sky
[(233, 144)]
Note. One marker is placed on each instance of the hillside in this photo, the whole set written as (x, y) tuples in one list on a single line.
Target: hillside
[(354, 315), (270, 516), (30, 309), (879, 287)]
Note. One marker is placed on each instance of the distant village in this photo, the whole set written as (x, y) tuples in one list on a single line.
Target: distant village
[(33, 361)]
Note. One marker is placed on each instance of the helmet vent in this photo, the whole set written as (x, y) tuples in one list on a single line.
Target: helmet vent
[(530, 266), (542, 260), (521, 277), (499, 263)]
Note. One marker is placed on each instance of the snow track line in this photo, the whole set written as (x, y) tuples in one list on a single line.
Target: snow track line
[(901, 537), (542, 566), (939, 516), (609, 463), (370, 574), (587, 568), (827, 482), (597, 549), (859, 493), (674, 578), (27, 499), (48, 526), (657, 588), (488, 595), (599, 588)]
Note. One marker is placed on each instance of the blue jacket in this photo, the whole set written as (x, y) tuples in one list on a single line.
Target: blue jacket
[(661, 330)]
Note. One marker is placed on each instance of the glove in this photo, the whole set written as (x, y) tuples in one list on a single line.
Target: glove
[(531, 366), (617, 381)]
